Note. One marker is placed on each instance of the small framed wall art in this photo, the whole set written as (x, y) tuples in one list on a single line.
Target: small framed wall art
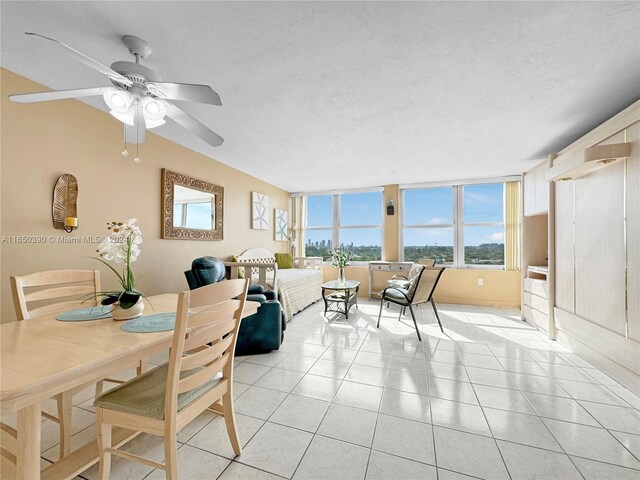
[(280, 225), (259, 211)]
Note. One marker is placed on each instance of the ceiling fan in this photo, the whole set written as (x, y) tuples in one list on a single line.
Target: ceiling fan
[(139, 98)]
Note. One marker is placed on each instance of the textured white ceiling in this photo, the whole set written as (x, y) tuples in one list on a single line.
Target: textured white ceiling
[(325, 95)]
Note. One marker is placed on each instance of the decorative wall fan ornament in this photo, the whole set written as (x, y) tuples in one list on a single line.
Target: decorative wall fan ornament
[(139, 98)]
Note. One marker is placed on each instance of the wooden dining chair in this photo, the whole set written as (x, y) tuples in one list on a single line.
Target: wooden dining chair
[(52, 292), (46, 293), (198, 377)]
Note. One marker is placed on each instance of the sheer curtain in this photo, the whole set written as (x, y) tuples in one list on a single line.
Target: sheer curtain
[(512, 226), (298, 220)]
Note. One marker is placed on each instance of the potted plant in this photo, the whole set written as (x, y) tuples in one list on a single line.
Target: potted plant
[(122, 246), (341, 258)]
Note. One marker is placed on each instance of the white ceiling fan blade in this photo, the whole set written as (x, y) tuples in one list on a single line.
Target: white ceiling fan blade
[(88, 61), (188, 92), (187, 121), (136, 133), (58, 95)]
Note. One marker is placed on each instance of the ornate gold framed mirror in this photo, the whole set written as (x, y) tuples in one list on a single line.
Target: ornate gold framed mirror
[(191, 209)]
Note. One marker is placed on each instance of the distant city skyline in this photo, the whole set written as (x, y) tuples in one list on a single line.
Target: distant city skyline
[(428, 206)]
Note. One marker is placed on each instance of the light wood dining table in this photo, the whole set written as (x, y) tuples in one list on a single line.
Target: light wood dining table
[(41, 357)]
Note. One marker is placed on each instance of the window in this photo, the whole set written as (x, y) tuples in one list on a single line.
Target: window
[(460, 226), (353, 220), (428, 224), (483, 213), (193, 209), (319, 231)]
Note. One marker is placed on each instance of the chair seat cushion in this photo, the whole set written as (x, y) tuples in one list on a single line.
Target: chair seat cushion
[(399, 283), (144, 394), (396, 294)]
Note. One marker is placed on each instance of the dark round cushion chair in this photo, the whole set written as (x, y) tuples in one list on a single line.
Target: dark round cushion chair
[(258, 333)]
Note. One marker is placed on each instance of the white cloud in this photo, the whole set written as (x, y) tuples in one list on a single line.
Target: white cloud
[(495, 237), (482, 198)]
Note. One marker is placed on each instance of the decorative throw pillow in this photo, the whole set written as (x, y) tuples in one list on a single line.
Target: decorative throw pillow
[(284, 260), (414, 276), (240, 269)]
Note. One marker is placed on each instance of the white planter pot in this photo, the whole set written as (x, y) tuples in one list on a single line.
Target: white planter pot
[(127, 314)]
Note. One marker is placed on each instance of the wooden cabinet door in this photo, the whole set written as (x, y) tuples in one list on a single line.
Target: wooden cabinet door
[(529, 193), (542, 189), (536, 191)]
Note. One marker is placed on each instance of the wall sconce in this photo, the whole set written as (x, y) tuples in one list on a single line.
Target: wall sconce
[(65, 197), (390, 210)]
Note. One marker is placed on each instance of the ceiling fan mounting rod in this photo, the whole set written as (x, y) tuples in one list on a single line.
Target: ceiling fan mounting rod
[(137, 47)]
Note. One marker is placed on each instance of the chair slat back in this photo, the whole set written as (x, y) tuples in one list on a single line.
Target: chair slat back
[(426, 284), (224, 309), (203, 375), (59, 292), (204, 342), (207, 334), (206, 354), (63, 285)]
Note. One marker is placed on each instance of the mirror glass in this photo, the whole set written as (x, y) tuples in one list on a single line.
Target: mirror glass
[(193, 208)]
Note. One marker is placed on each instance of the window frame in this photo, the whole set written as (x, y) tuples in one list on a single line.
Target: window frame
[(458, 222), (336, 227), (184, 213)]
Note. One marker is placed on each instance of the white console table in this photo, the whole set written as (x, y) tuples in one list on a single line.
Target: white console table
[(401, 268)]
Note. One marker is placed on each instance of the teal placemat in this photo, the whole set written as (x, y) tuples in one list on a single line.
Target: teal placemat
[(86, 314), (159, 322)]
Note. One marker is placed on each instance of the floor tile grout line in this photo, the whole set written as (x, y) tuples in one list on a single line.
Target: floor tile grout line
[(480, 340), (233, 461), (433, 432), (502, 440), (495, 442), (547, 429)]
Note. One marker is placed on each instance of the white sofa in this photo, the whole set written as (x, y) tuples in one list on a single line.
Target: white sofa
[(297, 288)]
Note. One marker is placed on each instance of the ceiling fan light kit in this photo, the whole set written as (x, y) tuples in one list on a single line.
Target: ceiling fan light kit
[(139, 98)]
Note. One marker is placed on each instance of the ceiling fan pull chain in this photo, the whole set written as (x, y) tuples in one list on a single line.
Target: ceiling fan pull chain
[(136, 122), (137, 159), (124, 152)]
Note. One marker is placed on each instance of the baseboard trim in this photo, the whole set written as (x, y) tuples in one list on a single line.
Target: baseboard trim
[(615, 355), (475, 301)]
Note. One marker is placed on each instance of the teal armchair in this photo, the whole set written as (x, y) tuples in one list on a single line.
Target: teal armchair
[(258, 333)]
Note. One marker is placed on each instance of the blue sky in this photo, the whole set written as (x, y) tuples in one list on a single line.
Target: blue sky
[(199, 215), (432, 206)]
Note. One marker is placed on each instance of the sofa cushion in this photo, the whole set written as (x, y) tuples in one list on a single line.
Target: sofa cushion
[(414, 278), (284, 260), (240, 269)]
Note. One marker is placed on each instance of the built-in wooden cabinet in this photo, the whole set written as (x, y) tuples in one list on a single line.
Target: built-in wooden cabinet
[(580, 258), (536, 190), (536, 274)]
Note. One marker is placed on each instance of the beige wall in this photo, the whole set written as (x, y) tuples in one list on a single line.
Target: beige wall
[(42, 141), (392, 224), (456, 286)]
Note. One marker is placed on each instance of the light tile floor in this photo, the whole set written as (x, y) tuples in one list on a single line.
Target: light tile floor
[(491, 398)]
